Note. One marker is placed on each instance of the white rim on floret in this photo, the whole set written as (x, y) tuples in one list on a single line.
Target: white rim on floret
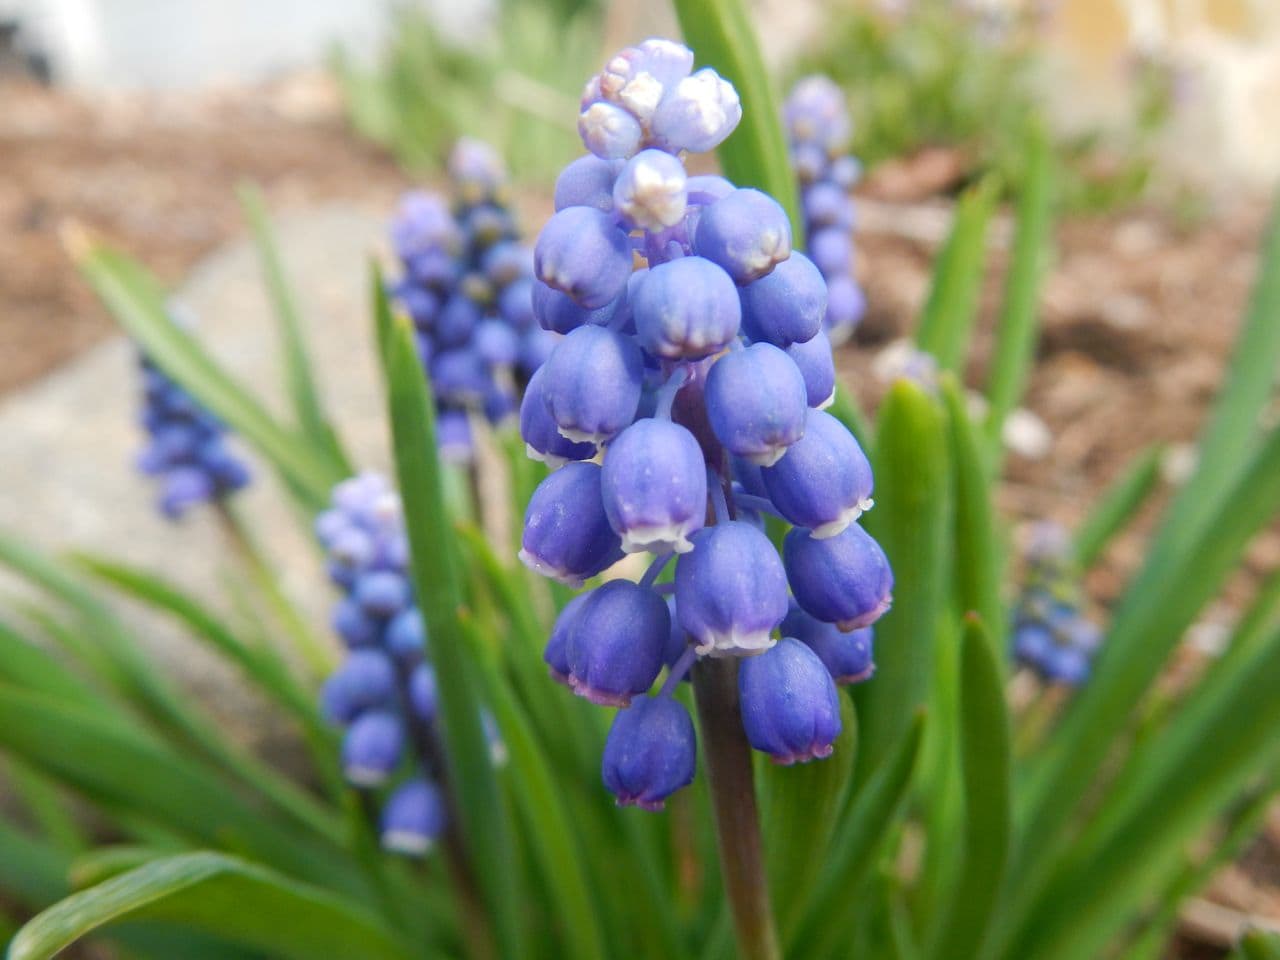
[(407, 842), (550, 459), (547, 570), (583, 436), (867, 619), (833, 528), (658, 538), (365, 776), (769, 456), (768, 247), (734, 643), (831, 398)]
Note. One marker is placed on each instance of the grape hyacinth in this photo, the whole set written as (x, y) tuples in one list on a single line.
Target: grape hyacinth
[(186, 446), (1051, 635), (819, 129), (682, 406), (384, 693), (467, 285)]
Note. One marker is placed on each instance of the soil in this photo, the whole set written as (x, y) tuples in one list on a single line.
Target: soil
[(1139, 309)]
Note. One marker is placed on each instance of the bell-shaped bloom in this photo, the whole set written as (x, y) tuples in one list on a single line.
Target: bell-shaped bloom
[(566, 532), (687, 309), (823, 482), (818, 367), (616, 643), (459, 376), (366, 680), (422, 692), (587, 182), (846, 304), (756, 402), (372, 748), (592, 385), (542, 438), (406, 635), (788, 305), (747, 233), (731, 590), (414, 816), (559, 313), (651, 192), (556, 653), (654, 484), (832, 251), (651, 752), (383, 593), (828, 206), (790, 705), (843, 579), (583, 253), (848, 657), (356, 627)]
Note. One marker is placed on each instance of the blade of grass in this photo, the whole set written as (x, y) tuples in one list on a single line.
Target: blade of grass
[(483, 819), (1117, 505), (298, 372)]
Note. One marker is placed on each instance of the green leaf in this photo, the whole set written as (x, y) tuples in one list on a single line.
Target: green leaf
[(911, 521), (1117, 505), (755, 154), (860, 835), (952, 305), (801, 805), (136, 299), (299, 378), (1258, 945), (218, 894), (1019, 322), (437, 579), (103, 863), (25, 665), (985, 754), (33, 872), (845, 409)]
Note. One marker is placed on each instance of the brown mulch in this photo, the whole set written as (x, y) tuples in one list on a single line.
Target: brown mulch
[(1139, 313)]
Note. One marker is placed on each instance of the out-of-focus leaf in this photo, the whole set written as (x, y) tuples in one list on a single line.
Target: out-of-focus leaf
[(1019, 320), (755, 155), (1258, 945), (437, 579), (298, 373), (29, 667), (136, 300), (214, 893), (985, 755), (952, 306), (33, 872), (1117, 505), (845, 409)]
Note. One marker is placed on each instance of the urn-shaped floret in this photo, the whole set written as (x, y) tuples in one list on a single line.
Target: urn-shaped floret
[(790, 706), (818, 368), (372, 747), (848, 656), (650, 753), (654, 484), (843, 579), (786, 306), (747, 233), (731, 590), (687, 309), (413, 818), (583, 253), (592, 385), (616, 643), (756, 402), (823, 481), (566, 532)]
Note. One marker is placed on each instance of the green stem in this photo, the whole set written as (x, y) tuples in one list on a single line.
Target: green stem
[(733, 797)]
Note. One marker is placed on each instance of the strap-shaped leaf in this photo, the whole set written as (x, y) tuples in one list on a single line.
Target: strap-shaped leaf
[(1258, 945), (1117, 505), (237, 901)]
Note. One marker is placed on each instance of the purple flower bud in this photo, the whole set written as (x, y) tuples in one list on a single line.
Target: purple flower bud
[(847, 656), (824, 481), (650, 192), (365, 680), (372, 748), (453, 436), (515, 303), (587, 182), (826, 206), (747, 233), (756, 401), (535, 348), (731, 590), (507, 262), (845, 172), (476, 169), (406, 635), (558, 312), (845, 306), (816, 111), (615, 646), (707, 188), (592, 385), (843, 580), (651, 752), (422, 692), (539, 431), (183, 488), (818, 367), (609, 131), (423, 225), (556, 653), (809, 161), (382, 593), (697, 114), (497, 343), (582, 252), (1032, 643), (686, 309), (566, 532), (459, 376), (353, 625), (413, 818), (832, 251), (637, 77), (790, 705), (788, 305), (654, 484)]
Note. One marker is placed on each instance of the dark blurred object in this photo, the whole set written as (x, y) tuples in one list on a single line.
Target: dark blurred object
[(20, 56)]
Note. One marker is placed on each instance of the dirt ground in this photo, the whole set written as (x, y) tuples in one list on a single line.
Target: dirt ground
[(1139, 310)]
